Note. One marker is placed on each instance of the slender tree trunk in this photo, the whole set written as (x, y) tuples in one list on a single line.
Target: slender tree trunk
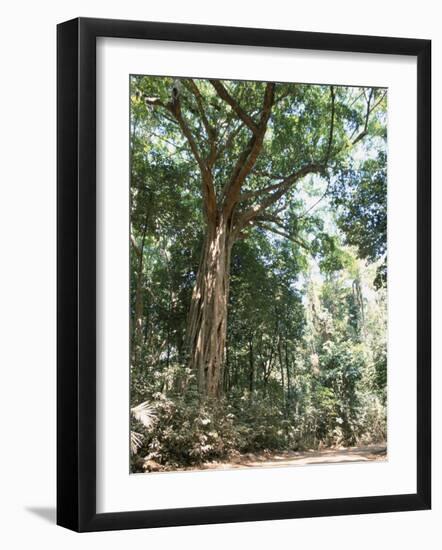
[(207, 326), (251, 367), (281, 368), (139, 299), (138, 318), (267, 369), (287, 367), (138, 330)]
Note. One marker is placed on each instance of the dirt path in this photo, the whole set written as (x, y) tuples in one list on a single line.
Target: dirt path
[(287, 458), (292, 458)]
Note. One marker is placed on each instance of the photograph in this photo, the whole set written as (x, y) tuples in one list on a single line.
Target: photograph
[(258, 274), (218, 254)]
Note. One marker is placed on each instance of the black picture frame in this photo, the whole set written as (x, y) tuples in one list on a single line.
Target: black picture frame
[(77, 287)]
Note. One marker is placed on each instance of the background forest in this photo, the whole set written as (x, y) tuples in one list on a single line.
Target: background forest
[(258, 269)]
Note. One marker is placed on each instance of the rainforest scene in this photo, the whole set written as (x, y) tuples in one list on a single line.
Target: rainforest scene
[(258, 274)]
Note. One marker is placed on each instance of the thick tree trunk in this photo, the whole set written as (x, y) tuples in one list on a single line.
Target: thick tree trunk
[(207, 327)]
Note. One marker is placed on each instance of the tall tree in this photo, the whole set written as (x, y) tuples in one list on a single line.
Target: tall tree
[(250, 145)]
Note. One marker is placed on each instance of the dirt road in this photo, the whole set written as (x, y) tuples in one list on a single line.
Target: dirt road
[(292, 458)]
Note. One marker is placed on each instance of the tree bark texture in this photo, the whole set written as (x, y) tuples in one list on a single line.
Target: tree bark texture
[(207, 328)]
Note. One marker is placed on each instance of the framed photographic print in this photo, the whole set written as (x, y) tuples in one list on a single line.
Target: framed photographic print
[(243, 274)]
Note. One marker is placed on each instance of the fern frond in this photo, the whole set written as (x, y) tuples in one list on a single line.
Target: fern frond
[(144, 413), (136, 440)]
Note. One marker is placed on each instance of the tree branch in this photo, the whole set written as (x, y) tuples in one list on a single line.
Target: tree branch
[(367, 115), (210, 130), (134, 244), (332, 123), (247, 159), (193, 88), (284, 234), (259, 192), (225, 96), (285, 184), (315, 204), (176, 110), (279, 190), (232, 135), (207, 187), (378, 102)]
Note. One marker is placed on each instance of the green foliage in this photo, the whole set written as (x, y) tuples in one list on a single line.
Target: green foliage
[(360, 195), (306, 359)]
